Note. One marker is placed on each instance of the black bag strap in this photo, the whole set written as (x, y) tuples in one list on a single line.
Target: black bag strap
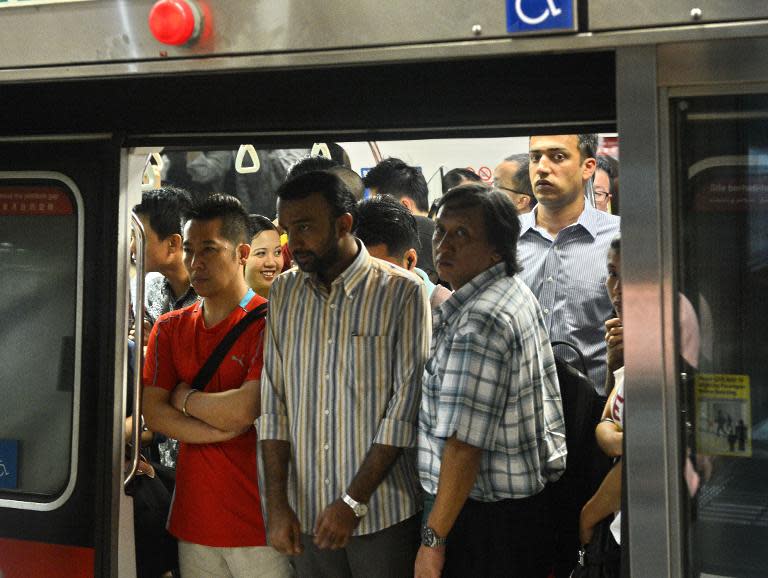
[(214, 360), (578, 353)]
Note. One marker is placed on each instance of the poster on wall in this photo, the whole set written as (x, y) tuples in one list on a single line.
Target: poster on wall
[(724, 417)]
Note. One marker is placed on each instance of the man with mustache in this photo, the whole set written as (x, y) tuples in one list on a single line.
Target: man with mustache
[(491, 429), (347, 338), (562, 248)]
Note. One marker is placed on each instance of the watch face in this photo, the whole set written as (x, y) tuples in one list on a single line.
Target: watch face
[(361, 510), (430, 539)]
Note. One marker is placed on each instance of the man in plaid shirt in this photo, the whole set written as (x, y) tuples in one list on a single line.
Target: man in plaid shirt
[(491, 427)]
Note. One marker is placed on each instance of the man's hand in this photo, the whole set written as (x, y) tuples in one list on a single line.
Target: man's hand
[(284, 530), (145, 335), (335, 525), (429, 562), (614, 337), (179, 394)]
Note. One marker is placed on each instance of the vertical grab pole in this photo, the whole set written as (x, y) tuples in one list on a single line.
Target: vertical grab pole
[(138, 229)]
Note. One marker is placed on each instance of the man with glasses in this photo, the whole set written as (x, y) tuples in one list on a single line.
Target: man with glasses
[(604, 183), (511, 177)]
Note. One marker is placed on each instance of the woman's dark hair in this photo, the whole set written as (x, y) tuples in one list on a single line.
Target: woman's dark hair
[(502, 226), (258, 224), (338, 196), (616, 243)]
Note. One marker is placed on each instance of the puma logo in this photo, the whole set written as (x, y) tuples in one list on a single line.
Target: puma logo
[(240, 361)]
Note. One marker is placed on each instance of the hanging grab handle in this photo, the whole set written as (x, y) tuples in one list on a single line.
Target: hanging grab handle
[(241, 152)]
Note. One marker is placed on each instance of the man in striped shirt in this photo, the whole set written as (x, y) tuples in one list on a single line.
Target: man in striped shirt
[(347, 339), (491, 426), (562, 247)]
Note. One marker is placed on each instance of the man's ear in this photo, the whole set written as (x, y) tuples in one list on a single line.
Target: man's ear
[(408, 203), (588, 169), (411, 258), (174, 243), (344, 224), (243, 251)]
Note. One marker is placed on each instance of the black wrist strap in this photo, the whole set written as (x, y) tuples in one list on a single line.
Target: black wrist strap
[(212, 363)]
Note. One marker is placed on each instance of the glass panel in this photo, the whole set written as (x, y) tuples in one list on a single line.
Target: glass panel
[(38, 291), (722, 175)]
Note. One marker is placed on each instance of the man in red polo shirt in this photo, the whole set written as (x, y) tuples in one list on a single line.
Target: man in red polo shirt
[(216, 512)]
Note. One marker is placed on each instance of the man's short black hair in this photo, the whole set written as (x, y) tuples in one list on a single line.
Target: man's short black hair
[(383, 220), (338, 196), (393, 177), (611, 167), (351, 179), (587, 146), (455, 177), (309, 164), (164, 207), (235, 226), (502, 226)]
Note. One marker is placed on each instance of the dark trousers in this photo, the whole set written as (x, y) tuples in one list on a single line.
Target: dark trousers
[(389, 553), (505, 539)]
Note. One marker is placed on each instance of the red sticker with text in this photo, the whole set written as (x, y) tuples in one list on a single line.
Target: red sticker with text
[(34, 200)]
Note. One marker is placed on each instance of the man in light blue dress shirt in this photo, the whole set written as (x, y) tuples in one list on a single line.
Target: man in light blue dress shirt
[(563, 245)]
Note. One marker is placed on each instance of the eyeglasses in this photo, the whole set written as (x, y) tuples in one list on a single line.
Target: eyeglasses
[(600, 195)]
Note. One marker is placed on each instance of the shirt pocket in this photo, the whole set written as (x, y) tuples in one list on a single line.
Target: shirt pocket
[(370, 372), (587, 306)]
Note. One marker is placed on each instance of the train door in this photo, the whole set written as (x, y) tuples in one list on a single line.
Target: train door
[(61, 362), (695, 208)]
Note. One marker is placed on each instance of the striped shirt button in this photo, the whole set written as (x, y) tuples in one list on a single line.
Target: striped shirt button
[(327, 481), (330, 342), (333, 306), (325, 447), (546, 310)]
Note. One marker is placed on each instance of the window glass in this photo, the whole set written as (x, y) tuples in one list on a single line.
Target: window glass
[(38, 304), (722, 173)]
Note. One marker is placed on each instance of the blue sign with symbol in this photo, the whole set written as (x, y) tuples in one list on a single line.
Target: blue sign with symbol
[(539, 15), (9, 458)]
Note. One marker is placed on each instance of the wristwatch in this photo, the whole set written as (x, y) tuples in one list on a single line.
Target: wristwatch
[(359, 509), (430, 539)]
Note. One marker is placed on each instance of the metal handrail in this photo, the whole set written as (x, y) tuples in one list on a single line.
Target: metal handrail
[(138, 357)]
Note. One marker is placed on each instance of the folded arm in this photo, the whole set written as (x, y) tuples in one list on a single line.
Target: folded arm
[(160, 416), (233, 410)]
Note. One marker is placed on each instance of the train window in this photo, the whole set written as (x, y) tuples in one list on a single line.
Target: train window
[(41, 272), (722, 173)]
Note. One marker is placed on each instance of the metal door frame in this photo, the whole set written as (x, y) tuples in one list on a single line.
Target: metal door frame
[(646, 79)]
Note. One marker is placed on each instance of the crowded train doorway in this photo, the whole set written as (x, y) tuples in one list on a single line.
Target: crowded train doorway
[(657, 87)]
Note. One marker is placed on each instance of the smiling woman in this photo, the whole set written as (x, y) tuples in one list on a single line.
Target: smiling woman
[(266, 259)]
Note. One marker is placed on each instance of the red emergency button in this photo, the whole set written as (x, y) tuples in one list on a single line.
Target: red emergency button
[(175, 22)]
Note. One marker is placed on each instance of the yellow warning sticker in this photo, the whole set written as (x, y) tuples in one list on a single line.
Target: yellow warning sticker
[(723, 414)]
